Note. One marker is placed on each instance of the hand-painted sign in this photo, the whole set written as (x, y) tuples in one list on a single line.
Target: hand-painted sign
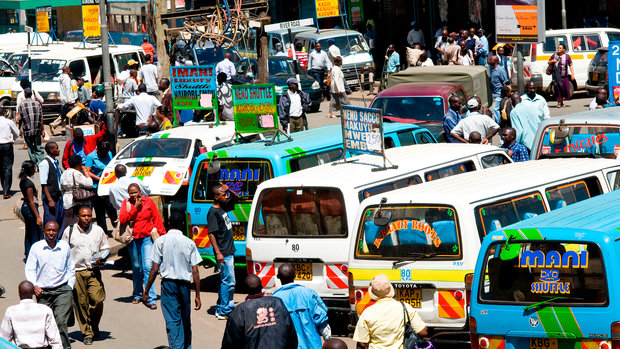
[(408, 224), (549, 281), (255, 108), (357, 124), (193, 87), (43, 18), (91, 22), (327, 8), (520, 21)]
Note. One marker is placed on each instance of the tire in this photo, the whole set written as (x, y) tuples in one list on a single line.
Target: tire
[(8, 113)]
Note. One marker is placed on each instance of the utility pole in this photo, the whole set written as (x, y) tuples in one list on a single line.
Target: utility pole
[(163, 61), (263, 54), (105, 58), (519, 72), (563, 15)]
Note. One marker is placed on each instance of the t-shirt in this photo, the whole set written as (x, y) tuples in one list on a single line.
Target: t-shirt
[(166, 125), (25, 184), (97, 106), (130, 88), (219, 225), (148, 75), (97, 164)]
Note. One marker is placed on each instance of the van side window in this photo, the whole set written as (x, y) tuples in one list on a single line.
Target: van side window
[(240, 70), (593, 42), (78, 68), (586, 42), (315, 159), (567, 194), (494, 160), (401, 183), (494, 216), (388, 142), (452, 170), (423, 138), (123, 58), (406, 138), (552, 42), (614, 180)]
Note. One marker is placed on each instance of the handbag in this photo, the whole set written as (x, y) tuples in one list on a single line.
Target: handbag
[(550, 67), (124, 232), (81, 194), (411, 339)]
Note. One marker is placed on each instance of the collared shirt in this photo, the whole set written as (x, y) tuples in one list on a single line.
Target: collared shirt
[(393, 62), (72, 179), (475, 122), (97, 164), (337, 80), (519, 151), (21, 97), (318, 60), (499, 77), (66, 91), (8, 131), (145, 105), (593, 104), (44, 170), (83, 94), (415, 37), (30, 114), (118, 190), (525, 121), (30, 325), (334, 52), (441, 44), (383, 324), (226, 66), (295, 100), (148, 75), (539, 103), (482, 46), (450, 120), (505, 63), (176, 254), (144, 220), (84, 244), (48, 267)]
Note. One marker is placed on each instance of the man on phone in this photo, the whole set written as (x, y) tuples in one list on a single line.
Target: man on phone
[(221, 237)]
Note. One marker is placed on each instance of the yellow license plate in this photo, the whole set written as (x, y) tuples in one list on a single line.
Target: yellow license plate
[(239, 232), (143, 171), (303, 271), (411, 296), (594, 76), (543, 343)]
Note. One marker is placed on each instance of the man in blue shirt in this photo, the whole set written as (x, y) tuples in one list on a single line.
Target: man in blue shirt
[(393, 58), (499, 79), (482, 48), (97, 106), (307, 310), (518, 152), (96, 162), (524, 119), (452, 118)]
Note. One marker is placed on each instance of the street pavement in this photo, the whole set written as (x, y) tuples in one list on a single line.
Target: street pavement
[(125, 325)]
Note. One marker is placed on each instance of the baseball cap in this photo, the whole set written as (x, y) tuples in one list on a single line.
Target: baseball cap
[(99, 88), (331, 41), (472, 103), (131, 62), (292, 81), (380, 287)]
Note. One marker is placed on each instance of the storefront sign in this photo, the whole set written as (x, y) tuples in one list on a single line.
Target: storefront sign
[(255, 108), (524, 23), (43, 18), (327, 8), (193, 87), (91, 21), (362, 130)]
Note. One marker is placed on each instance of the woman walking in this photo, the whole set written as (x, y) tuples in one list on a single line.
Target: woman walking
[(560, 74), (71, 181), (141, 213), (30, 207)]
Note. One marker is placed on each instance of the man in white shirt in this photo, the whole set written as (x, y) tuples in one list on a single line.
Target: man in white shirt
[(226, 66), (8, 133), (292, 106), (416, 35), (145, 105), (118, 190), (85, 240), (224, 98), (334, 51), (535, 100), (67, 97), (28, 324), (318, 62), (49, 177), (50, 268), (148, 75), (339, 96), (475, 122)]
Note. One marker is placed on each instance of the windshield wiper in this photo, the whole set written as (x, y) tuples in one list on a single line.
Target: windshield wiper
[(41, 77), (417, 257), (539, 304)]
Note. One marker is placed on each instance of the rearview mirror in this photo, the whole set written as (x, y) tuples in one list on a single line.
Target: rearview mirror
[(382, 218)]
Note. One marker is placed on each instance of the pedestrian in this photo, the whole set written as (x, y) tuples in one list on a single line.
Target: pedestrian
[(142, 212), (333, 50), (83, 96), (452, 118), (97, 105), (440, 46), (67, 98), (535, 100), (475, 122), (318, 63), (31, 121), (118, 190), (83, 145), (383, 324), (166, 99), (452, 50), (472, 33), (416, 35), (482, 48), (145, 105), (425, 61), (517, 151), (227, 67), (49, 177), (601, 100), (176, 258), (475, 138), (50, 268), (562, 74), (413, 55), (259, 322), (505, 107), (221, 237), (334, 343), (302, 57), (28, 324), (393, 60), (224, 98), (338, 93), (96, 162), (30, 206), (504, 60), (594, 103), (470, 42), (499, 78), (306, 308), (162, 118), (8, 133), (293, 106), (131, 85), (464, 57), (85, 240), (71, 181), (524, 119), (148, 47), (148, 75)]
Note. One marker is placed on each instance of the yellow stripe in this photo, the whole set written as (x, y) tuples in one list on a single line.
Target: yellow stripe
[(589, 344), (591, 55), (88, 85), (417, 275), (543, 58), (495, 342), (453, 303)]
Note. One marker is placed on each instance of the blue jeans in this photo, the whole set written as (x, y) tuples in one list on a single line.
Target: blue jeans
[(33, 231), (226, 290), (176, 305), (496, 114), (141, 263)]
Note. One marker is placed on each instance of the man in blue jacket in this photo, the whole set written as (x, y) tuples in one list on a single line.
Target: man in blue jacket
[(307, 310)]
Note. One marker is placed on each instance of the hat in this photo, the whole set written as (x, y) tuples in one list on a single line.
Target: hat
[(472, 103), (27, 91), (131, 62), (292, 81), (99, 88), (380, 287), (331, 41), (79, 78)]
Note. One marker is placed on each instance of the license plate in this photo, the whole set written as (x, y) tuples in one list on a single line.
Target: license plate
[(143, 171), (410, 295), (543, 343), (239, 232), (353, 82), (594, 77), (303, 271)]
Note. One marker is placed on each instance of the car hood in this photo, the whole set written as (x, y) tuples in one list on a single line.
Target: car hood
[(280, 80)]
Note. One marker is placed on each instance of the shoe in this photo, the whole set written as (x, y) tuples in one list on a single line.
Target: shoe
[(136, 301), (153, 306), (96, 334), (221, 317), (115, 223), (2, 291), (88, 341)]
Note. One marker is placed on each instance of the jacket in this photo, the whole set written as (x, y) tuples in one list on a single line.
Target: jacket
[(284, 106), (260, 323), (90, 144), (143, 220)]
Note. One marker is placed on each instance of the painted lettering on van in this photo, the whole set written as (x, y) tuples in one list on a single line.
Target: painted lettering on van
[(238, 175), (580, 146), (538, 259), (402, 225)]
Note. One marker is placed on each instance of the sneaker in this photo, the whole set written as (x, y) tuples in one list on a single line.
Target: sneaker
[(88, 341), (2, 291), (221, 317)]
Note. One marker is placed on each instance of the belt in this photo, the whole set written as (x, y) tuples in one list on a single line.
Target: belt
[(10, 143), (53, 288), (141, 125), (175, 281)]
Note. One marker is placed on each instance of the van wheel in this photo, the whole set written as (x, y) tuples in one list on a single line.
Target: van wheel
[(7, 112), (573, 87)]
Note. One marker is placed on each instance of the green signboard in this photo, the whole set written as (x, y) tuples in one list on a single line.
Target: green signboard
[(255, 107)]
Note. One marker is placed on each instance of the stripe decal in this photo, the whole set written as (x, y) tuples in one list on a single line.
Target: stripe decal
[(416, 274), (559, 322), (200, 235), (548, 321), (449, 307), (568, 322), (295, 152)]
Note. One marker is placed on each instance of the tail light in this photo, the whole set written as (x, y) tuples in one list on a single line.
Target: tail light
[(615, 335), (351, 289), (473, 333), (533, 53), (249, 264), (469, 279)]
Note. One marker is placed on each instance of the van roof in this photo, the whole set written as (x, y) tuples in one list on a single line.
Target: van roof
[(599, 116), (580, 30), (72, 52), (327, 33), (201, 131), (359, 172)]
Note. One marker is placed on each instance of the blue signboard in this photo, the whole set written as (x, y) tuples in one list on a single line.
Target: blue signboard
[(362, 130), (193, 87), (613, 70)]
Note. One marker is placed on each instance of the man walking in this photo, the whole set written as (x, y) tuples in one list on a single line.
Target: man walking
[(307, 310), (49, 176), (221, 237), (452, 118), (318, 62), (118, 190), (524, 119), (452, 50), (536, 101), (28, 324), (51, 270), (293, 106), (148, 75), (475, 122), (482, 48), (499, 79), (31, 122), (8, 133), (393, 60), (147, 47), (85, 240), (338, 92), (227, 67), (176, 259), (518, 152), (67, 97), (145, 105)]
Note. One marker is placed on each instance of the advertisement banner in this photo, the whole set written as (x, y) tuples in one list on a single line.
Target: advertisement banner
[(613, 63), (255, 107), (327, 8), (520, 21), (193, 87), (43, 18), (362, 130), (91, 22)]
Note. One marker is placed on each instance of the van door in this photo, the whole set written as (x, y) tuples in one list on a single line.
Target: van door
[(79, 69)]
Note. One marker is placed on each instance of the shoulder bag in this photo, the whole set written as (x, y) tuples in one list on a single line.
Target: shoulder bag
[(80, 194), (124, 232), (411, 339), (550, 67)]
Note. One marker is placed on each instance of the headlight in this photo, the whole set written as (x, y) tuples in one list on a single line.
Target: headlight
[(53, 97), (14, 95), (279, 90), (315, 85)]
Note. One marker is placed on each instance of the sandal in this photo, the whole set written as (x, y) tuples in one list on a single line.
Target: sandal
[(153, 306), (135, 301)]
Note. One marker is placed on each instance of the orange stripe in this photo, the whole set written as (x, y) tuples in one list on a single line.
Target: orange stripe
[(109, 179), (170, 179), (445, 310), (270, 274)]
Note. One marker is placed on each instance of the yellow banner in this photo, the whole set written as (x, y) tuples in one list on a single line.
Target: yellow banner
[(43, 21), (327, 8), (90, 20)]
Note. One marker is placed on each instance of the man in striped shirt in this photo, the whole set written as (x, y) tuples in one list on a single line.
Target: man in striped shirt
[(301, 56), (29, 324)]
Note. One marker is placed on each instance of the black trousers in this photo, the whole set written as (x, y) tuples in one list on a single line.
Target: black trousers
[(101, 206), (7, 157), (319, 75)]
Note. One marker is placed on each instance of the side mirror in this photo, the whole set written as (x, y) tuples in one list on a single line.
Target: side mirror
[(382, 218)]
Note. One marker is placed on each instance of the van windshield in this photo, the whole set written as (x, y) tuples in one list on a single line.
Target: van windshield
[(422, 109), (242, 176), (572, 273), (599, 140), (309, 212), (43, 69), (353, 43), (414, 232), (177, 148), (210, 55)]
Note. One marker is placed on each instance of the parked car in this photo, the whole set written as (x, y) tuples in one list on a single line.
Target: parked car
[(597, 72)]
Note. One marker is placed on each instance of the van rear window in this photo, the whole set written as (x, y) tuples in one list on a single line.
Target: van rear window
[(300, 212), (242, 176), (414, 232), (502, 213), (558, 272), (603, 141)]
